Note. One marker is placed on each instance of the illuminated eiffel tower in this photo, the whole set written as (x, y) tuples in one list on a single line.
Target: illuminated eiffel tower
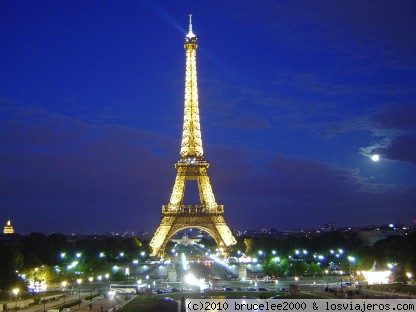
[(208, 215)]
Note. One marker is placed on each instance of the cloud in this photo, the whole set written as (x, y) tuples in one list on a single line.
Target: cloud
[(396, 124), (394, 116), (54, 165), (66, 174), (290, 192), (400, 148)]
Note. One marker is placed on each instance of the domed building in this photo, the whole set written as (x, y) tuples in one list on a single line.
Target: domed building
[(8, 228)]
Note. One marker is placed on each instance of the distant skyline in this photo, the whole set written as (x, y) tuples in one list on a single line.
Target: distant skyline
[(295, 98)]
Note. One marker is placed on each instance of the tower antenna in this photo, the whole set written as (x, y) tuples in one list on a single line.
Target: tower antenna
[(190, 22), (190, 32)]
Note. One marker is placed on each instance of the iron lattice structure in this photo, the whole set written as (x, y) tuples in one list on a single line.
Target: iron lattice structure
[(208, 215)]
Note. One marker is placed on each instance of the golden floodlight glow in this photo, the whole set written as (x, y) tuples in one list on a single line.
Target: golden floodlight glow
[(8, 228), (208, 215), (377, 277)]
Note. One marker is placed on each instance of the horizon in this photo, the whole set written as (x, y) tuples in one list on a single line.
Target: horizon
[(246, 231)]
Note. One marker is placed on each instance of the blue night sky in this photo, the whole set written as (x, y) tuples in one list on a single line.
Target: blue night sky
[(294, 97)]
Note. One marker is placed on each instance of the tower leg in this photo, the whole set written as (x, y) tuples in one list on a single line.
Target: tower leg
[(170, 225), (161, 235)]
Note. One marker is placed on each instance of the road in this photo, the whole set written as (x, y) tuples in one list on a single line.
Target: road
[(100, 304)]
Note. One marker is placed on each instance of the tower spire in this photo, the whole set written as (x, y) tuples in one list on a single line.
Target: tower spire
[(190, 33), (190, 22)]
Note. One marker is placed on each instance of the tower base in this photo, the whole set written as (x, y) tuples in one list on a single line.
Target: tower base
[(172, 223)]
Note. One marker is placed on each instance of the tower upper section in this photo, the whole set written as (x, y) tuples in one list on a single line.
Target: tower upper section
[(191, 145)]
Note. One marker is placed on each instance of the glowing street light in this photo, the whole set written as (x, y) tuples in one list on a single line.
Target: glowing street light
[(351, 259), (63, 284), (15, 292), (273, 252), (260, 252), (409, 275), (78, 255), (91, 279), (63, 255), (79, 282)]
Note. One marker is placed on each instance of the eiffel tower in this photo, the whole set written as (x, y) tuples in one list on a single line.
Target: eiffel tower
[(208, 215)]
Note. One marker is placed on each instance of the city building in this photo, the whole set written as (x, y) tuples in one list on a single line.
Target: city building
[(8, 228), (371, 235)]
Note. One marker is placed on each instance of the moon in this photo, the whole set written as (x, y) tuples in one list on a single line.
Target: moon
[(375, 157)]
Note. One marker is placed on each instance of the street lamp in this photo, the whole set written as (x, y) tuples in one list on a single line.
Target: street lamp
[(79, 282), (63, 284), (15, 292), (91, 279), (351, 260)]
